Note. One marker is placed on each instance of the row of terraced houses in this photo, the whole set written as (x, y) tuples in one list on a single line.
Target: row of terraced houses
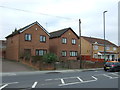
[(37, 41)]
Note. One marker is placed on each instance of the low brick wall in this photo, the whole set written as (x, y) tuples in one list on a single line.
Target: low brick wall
[(74, 64), (38, 65)]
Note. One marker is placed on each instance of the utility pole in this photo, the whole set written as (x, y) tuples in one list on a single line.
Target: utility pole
[(104, 35), (80, 43)]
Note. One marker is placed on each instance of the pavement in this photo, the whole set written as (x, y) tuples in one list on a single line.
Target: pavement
[(14, 66)]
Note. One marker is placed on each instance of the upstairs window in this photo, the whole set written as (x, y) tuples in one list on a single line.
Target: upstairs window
[(64, 40), (95, 47), (107, 48), (114, 48), (73, 41), (28, 37), (42, 38)]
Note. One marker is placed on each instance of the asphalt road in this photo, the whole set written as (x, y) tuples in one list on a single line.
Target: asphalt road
[(75, 79)]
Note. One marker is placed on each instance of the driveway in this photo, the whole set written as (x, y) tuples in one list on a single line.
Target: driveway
[(14, 66)]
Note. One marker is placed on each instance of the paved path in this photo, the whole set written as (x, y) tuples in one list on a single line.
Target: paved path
[(14, 66)]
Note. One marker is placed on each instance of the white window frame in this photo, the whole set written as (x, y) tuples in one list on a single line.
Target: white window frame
[(96, 47), (64, 40), (64, 53), (42, 38), (73, 41), (28, 37)]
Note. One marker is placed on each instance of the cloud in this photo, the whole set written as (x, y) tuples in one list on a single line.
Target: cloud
[(46, 12)]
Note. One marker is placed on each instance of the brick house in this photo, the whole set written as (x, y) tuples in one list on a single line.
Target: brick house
[(94, 48), (64, 43), (3, 49), (119, 52), (32, 39)]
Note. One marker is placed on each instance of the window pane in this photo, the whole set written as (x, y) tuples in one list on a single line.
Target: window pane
[(29, 37), (64, 40), (37, 52), (40, 52), (41, 38), (44, 38)]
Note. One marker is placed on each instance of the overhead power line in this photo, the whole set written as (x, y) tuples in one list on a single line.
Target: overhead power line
[(37, 13)]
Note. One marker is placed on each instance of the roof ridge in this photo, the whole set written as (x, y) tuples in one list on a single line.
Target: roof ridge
[(101, 41), (59, 30)]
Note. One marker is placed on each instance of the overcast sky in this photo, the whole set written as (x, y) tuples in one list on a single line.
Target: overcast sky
[(58, 14)]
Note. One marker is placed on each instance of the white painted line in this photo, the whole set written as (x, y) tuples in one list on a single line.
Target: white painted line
[(79, 79), (116, 74), (34, 85), (11, 83), (62, 81), (8, 74), (77, 83), (49, 79), (94, 77), (3, 86), (107, 76)]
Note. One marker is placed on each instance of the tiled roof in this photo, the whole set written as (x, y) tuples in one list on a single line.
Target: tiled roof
[(59, 33), (24, 28), (98, 41)]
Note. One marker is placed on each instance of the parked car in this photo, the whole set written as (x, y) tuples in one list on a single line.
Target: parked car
[(112, 66)]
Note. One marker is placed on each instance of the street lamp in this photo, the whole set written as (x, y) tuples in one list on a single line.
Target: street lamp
[(104, 33), (80, 43)]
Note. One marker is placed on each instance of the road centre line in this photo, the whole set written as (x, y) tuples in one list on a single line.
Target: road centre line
[(79, 79), (34, 85), (3, 86)]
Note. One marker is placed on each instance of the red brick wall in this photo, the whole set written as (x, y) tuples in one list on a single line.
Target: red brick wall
[(12, 48)]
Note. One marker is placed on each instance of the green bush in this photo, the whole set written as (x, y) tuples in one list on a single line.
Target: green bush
[(50, 58)]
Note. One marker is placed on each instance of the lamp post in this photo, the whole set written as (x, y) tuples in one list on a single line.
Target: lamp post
[(104, 34), (80, 43)]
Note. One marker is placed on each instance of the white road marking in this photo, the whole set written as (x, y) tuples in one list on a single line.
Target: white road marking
[(59, 78), (116, 74), (34, 85), (79, 79), (8, 74), (107, 76), (3, 86), (11, 83), (77, 82), (62, 81), (94, 77)]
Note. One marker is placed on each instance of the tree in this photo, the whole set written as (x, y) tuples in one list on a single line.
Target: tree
[(50, 58)]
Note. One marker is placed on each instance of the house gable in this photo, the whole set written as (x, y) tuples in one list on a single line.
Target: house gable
[(59, 33), (21, 30)]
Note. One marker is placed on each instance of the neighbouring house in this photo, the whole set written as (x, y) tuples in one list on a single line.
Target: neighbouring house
[(31, 40), (64, 43), (94, 48), (119, 52), (3, 49)]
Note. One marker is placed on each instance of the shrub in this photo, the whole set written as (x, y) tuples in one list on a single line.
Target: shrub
[(50, 58)]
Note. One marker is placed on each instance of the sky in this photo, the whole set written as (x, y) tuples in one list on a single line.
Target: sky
[(54, 15)]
